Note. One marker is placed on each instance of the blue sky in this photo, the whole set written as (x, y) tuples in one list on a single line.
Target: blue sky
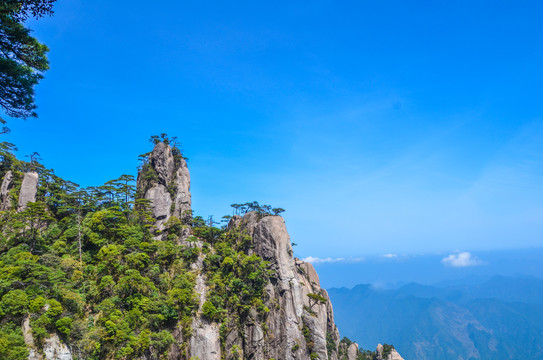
[(381, 126)]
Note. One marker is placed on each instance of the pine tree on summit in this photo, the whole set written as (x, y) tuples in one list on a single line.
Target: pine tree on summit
[(22, 58)]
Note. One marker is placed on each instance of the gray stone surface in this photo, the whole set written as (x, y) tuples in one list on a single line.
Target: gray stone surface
[(169, 191), (161, 203), (29, 340), (204, 343), (5, 199), (29, 188), (352, 352), (53, 347), (182, 199), (161, 159)]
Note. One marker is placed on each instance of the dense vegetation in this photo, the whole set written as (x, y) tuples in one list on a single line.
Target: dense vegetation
[(84, 264)]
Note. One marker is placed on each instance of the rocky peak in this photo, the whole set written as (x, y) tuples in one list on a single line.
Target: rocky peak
[(165, 181), (298, 326), (387, 352), (352, 351), (29, 188)]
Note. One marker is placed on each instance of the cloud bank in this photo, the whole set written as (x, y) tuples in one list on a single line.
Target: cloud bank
[(316, 260), (461, 259)]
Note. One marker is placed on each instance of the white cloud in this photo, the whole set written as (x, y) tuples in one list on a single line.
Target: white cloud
[(316, 260), (390, 256), (461, 259)]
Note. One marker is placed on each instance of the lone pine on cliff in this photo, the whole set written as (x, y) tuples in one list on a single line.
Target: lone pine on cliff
[(127, 272)]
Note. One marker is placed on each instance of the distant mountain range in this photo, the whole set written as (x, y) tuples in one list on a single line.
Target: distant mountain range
[(500, 318)]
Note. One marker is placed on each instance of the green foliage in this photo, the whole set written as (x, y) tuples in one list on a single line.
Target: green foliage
[(64, 325), (12, 345), (54, 310), (308, 338), (362, 354), (236, 279), (84, 264), (315, 299), (387, 349), (14, 303), (209, 311), (330, 342), (262, 210), (22, 58)]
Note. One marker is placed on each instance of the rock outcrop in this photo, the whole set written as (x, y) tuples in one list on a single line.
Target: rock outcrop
[(7, 184), (28, 191), (388, 353), (352, 352), (204, 342), (53, 347), (297, 327), (165, 182)]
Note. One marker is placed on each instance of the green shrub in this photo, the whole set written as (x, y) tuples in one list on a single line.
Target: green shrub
[(14, 303), (64, 325)]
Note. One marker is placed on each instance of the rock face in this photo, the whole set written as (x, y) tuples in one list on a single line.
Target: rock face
[(7, 183), (204, 343), (352, 352), (53, 348), (165, 182), (297, 327), (391, 354), (29, 187)]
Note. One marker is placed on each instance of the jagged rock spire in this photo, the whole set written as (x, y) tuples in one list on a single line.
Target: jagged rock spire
[(7, 183), (165, 182)]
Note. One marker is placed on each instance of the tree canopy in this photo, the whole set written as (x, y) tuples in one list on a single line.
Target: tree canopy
[(22, 57)]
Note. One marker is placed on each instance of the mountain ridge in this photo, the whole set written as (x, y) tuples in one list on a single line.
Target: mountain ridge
[(124, 272), (474, 321)]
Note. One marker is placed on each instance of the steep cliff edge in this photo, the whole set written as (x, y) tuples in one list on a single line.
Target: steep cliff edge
[(298, 326)]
